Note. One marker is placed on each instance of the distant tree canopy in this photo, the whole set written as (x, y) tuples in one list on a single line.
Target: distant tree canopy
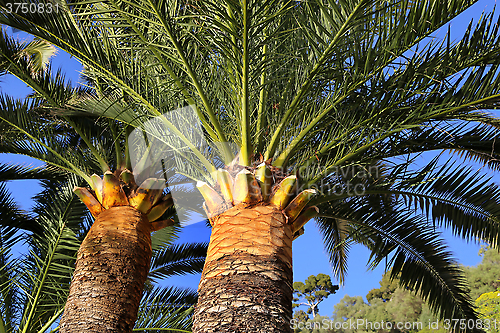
[(485, 277), (387, 288), (313, 291), (484, 280), (386, 305)]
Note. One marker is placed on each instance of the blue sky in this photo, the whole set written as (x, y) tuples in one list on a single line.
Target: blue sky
[(309, 257)]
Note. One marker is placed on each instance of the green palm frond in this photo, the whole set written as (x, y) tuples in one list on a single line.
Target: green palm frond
[(450, 196), (13, 218), (181, 43), (325, 83), (38, 54), (44, 276), (475, 143), (7, 295), (30, 135), (34, 70), (178, 259), (166, 309), (337, 239), (9, 300), (18, 172), (456, 197), (34, 55), (416, 253)]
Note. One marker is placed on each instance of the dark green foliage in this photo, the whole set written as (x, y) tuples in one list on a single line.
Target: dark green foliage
[(391, 303), (178, 260), (386, 290), (301, 316), (394, 305)]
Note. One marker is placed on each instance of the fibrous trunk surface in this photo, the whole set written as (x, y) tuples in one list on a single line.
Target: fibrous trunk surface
[(111, 268), (246, 284)]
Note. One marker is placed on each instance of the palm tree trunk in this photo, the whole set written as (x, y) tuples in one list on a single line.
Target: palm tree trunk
[(111, 268), (246, 285)]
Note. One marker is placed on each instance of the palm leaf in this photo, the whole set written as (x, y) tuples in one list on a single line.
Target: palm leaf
[(416, 252), (178, 259), (45, 273), (166, 309)]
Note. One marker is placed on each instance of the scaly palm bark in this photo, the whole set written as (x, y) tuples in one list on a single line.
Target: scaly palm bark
[(113, 261), (111, 268), (247, 273), (248, 270)]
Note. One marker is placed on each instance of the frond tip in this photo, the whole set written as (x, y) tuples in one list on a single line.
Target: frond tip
[(112, 192), (145, 196), (96, 185), (264, 176), (293, 210), (226, 183), (212, 199), (159, 209)]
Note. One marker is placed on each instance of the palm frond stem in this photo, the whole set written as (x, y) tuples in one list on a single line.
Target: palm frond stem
[(308, 82)]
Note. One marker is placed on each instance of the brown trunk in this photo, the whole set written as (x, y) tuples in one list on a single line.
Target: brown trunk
[(111, 268), (246, 284)]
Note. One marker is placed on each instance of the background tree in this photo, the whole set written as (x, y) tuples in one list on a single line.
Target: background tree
[(387, 287), (485, 277), (319, 324), (313, 291), (339, 93), (389, 303), (300, 316), (489, 308), (484, 281)]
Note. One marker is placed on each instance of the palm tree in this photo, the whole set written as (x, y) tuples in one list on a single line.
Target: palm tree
[(319, 97), (34, 286), (65, 143)]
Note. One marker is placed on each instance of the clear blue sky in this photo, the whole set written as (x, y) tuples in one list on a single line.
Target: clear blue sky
[(309, 256)]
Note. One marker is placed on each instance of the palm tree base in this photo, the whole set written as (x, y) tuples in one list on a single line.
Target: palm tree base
[(111, 269), (246, 284)]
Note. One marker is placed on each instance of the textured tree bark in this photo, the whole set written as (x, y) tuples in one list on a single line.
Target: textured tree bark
[(246, 285), (111, 268)]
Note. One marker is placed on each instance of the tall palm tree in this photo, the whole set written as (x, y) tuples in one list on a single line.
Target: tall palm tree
[(64, 143), (319, 97), (34, 285)]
